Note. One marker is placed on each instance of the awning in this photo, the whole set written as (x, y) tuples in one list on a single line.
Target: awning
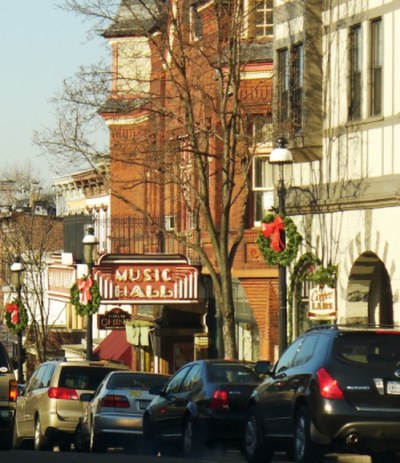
[(115, 347)]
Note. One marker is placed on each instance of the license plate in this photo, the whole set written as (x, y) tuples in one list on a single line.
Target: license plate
[(135, 393), (393, 387)]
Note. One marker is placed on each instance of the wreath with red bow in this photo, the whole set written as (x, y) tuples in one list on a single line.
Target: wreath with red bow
[(16, 316), (270, 242), (85, 296)]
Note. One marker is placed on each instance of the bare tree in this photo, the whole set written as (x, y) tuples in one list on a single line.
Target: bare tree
[(192, 154)]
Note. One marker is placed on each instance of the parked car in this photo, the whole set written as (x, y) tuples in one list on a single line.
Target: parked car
[(114, 416), (8, 397), (334, 389), (204, 402), (49, 409)]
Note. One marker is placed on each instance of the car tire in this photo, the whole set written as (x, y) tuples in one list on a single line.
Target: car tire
[(39, 441), (81, 445), (255, 447), (192, 444), (97, 445), (304, 450), (150, 446)]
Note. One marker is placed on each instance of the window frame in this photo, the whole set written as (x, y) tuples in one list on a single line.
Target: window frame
[(283, 84), (376, 67), (259, 191), (297, 83), (355, 72), (264, 8)]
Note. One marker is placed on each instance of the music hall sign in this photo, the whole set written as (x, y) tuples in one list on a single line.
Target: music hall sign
[(147, 279)]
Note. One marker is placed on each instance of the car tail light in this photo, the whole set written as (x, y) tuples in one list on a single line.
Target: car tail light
[(328, 386), (13, 391), (219, 400), (63, 393), (114, 401)]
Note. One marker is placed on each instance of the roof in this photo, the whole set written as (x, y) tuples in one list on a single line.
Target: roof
[(134, 17), (115, 347)]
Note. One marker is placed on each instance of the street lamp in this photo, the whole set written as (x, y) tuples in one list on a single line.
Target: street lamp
[(17, 269), (89, 244), (281, 156)]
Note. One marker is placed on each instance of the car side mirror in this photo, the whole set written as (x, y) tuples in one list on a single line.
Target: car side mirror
[(157, 389), (263, 367), (86, 397)]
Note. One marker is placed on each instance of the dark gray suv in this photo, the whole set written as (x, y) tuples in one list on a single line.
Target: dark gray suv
[(334, 389), (8, 397)]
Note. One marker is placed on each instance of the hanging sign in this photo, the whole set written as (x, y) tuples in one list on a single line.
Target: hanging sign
[(322, 303), (141, 279), (113, 319)]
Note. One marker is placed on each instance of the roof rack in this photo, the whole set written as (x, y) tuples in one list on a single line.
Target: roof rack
[(356, 326)]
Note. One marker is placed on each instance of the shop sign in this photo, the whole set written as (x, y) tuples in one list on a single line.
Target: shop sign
[(140, 281), (113, 319), (322, 303)]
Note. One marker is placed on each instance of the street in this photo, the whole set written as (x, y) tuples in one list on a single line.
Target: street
[(16, 456)]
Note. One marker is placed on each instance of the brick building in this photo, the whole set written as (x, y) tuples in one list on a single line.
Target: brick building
[(173, 64)]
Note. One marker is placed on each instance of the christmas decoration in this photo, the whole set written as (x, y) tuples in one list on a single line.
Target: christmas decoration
[(16, 316), (85, 296), (270, 241)]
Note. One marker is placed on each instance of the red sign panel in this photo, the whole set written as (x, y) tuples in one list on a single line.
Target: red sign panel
[(135, 281)]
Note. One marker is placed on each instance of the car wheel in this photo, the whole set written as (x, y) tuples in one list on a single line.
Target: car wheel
[(191, 442), (255, 447), (96, 444), (304, 450), (81, 445), (150, 446), (40, 442)]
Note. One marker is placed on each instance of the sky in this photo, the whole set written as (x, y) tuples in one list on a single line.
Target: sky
[(40, 46)]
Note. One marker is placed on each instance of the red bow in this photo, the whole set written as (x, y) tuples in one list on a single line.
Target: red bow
[(84, 286), (272, 231), (13, 310)]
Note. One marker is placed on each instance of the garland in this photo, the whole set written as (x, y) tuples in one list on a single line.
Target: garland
[(16, 316), (270, 243), (85, 296)]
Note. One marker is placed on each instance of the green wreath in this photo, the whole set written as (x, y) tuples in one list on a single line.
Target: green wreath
[(90, 289), (272, 255), (16, 316)]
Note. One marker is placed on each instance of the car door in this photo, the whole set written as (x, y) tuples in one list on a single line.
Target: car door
[(273, 391), (167, 407)]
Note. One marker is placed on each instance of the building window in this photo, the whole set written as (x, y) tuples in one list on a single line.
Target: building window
[(196, 24), (355, 72), (376, 67), (297, 85), (263, 18), (263, 188), (283, 85)]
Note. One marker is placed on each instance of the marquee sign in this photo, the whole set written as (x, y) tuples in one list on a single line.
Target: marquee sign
[(147, 279)]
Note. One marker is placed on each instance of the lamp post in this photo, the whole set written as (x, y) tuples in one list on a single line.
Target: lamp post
[(17, 269), (89, 244), (281, 156)]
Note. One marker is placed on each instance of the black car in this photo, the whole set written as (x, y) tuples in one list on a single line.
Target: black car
[(334, 389), (205, 401)]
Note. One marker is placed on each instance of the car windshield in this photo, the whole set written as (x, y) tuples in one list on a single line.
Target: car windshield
[(232, 373), (373, 349), (82, 377), (135, 381), (4, 360)]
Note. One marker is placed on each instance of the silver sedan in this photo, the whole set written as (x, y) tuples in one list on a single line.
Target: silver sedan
[(114, 416)]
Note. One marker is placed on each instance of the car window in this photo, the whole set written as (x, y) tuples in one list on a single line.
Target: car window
[(232, 373), (368, 349), (82, 377), (287, 359), (193, 378), (176, 381), (305, 350), (135, 381), (4, 359), (36, 380), (47, 374)]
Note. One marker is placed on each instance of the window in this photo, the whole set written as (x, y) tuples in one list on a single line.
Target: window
[(263, 187), (263, 18), (196, 24), (376, 67), (283, 85), (174, 385), (297, 85), (355, 72)]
